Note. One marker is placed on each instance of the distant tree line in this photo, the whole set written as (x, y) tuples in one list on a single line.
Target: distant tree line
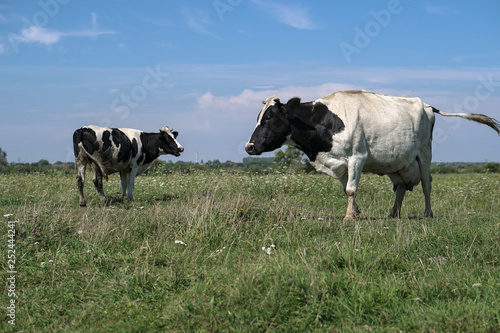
[(465, 167), (290, 159)]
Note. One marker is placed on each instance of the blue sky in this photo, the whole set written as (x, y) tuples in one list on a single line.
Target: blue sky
[(203, 67)]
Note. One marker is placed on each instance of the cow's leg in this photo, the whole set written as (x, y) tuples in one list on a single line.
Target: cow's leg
[(355, 168), (80, 179), (424, 162), (98, 183), (124, 180), (400, 194)]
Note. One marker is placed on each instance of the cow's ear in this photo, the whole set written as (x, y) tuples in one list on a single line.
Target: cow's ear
[(276, 99), (291, 107), (293, 103), (175, 133)]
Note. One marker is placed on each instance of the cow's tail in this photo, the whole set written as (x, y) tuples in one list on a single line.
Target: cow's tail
[(477, 117), (93, 159)]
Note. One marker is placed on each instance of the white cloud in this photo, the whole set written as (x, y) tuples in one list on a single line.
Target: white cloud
[(36, 34), (44, 36), (197, 20), (295, 16), (250, 100), (2, 49), (88, 33)]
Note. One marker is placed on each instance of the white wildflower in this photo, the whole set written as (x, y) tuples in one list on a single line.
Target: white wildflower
[(268, 249), (8, 215), (217, 252)]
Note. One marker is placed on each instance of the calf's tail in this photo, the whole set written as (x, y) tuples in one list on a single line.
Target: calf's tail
[(477, 117), (79, 148)]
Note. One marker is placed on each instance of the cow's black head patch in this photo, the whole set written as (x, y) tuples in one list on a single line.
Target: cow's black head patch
[(272, 128), (310, 125)]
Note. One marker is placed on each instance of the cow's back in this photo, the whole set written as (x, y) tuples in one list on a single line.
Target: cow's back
[(388, 130)]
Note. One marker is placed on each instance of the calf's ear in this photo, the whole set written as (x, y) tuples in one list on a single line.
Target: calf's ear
[(175, 133)]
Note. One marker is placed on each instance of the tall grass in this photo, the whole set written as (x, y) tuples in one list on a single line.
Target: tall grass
[(212, 251)]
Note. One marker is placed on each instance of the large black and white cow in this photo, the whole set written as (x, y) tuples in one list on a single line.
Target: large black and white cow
[(124, 150), (350, 132)]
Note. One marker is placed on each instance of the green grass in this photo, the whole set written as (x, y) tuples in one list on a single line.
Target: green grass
[(261, 253)]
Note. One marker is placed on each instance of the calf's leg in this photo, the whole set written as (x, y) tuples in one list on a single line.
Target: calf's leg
[(80, 180), (124, 180), (98, 183), (131, 181)]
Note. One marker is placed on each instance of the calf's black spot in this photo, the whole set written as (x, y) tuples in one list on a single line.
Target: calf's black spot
[(122, 142), (106, 141)]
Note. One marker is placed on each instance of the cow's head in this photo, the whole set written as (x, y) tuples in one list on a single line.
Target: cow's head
[(273, 127), (168, 143)]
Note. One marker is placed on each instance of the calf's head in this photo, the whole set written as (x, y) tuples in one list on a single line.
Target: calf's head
[(272, 128), (168, 143)]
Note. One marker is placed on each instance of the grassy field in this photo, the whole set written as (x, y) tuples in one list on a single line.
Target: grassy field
[(219, 252)]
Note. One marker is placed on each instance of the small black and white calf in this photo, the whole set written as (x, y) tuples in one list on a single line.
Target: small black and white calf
[(350, 132), (127, 151)]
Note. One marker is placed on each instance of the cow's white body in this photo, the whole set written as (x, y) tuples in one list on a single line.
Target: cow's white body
[(383, 134), (350, 132)]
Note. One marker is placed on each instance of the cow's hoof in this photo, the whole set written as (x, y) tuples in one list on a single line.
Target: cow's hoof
[(429, 214), (351, 217), (83, 204)]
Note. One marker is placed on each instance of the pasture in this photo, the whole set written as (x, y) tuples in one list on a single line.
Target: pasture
[(214, 251)]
